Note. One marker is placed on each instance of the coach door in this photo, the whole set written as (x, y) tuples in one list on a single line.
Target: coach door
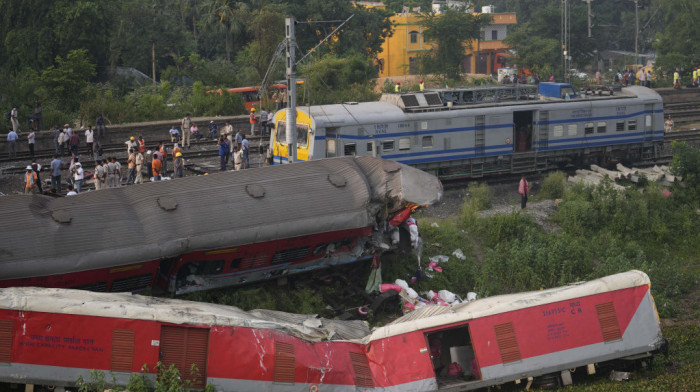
[(522, 126), (450, 346), (648, 122), (187, 348)]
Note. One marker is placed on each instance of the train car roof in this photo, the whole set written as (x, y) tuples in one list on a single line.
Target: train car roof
[(355, 113), (389, 108), (435, 316), (120, 226), (138, 307)]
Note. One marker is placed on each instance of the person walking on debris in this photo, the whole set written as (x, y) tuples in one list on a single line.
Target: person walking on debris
[(100, 175), (523, 190), (12, 143), (138, 158), (668, 125), (89, 140), (30, 181), (179, 165), (131, 165), (186, 124), (56, 174)]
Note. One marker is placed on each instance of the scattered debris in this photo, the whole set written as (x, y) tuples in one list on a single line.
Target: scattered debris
[(459, 254), (658, 174), (619, 376)]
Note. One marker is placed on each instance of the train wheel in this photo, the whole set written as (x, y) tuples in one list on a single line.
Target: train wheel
[(547, 381)]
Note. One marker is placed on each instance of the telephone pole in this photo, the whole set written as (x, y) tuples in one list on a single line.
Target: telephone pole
[(291, 72), (566, 39)]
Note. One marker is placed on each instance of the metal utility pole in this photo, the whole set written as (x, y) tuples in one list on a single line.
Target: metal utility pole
[(566, 39), (291, 91), (636, 32), (590, 15)]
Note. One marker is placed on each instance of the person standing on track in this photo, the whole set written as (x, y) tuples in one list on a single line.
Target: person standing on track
[(99, 175), (138, 156), (179, 164), (223, 152), (56, 165), (245, 147), (89, 140), (523, 190), (186, 124), (141, 145), (14, 118), (100, 124), (12, 143), (30, 141), (30, 181), (253, 119)]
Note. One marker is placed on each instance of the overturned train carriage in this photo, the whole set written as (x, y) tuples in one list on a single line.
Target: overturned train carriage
[(208, 231), (52, 336), (485, 130)]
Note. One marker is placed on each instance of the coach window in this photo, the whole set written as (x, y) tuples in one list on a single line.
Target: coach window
[(620, 126), (302, 135), (427, 142), (589, 127), (602, 127), (350, 150), (632, 125), (369, 146), (388, 146), (404, 144), (558, 131), (573, 130)]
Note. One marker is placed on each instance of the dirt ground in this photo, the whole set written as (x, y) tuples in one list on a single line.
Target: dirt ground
[(504, 200)]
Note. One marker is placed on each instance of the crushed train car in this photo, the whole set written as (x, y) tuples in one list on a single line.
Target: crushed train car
[(52, 336), (211, 231)]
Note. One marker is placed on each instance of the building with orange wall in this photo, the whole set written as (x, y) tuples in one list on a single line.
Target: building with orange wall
[(401, 51)]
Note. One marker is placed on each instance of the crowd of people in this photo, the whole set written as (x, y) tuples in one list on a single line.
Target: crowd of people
[(109, 173)]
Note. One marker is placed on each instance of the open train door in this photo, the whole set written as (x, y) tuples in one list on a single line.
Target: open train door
[(332, 142), (452, 356), (522, 126), (187, 348)]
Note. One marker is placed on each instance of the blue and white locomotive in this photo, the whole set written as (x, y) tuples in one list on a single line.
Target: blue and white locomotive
[(477, 131)]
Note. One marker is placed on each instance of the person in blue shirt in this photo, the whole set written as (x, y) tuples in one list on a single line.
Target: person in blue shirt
[(223, 153), (56, 165), (12, 141), (212, 130), (174, 134)]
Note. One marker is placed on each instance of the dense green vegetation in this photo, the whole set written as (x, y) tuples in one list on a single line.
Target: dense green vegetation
[(79, 58)]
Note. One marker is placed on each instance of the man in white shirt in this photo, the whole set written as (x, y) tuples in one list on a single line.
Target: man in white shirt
[(78, 176), (89, 139)]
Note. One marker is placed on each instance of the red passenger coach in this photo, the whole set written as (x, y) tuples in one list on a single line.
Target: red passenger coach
[(52, 336)]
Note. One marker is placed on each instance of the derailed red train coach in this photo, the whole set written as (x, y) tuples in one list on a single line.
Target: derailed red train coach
[(52, 336)]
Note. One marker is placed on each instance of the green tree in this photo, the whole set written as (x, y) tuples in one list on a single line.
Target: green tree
[(65, 81), (334, 79), (224, 18), (451, 32), (686, 164), (679, 46)]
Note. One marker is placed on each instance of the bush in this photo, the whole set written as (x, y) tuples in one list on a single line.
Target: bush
[(552, 186)]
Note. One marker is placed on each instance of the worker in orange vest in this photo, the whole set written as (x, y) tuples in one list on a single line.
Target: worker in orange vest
[(31, 180), (142, 144), (253, 120)]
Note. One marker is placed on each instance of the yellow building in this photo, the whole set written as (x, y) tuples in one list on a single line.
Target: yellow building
[(400, 52)]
